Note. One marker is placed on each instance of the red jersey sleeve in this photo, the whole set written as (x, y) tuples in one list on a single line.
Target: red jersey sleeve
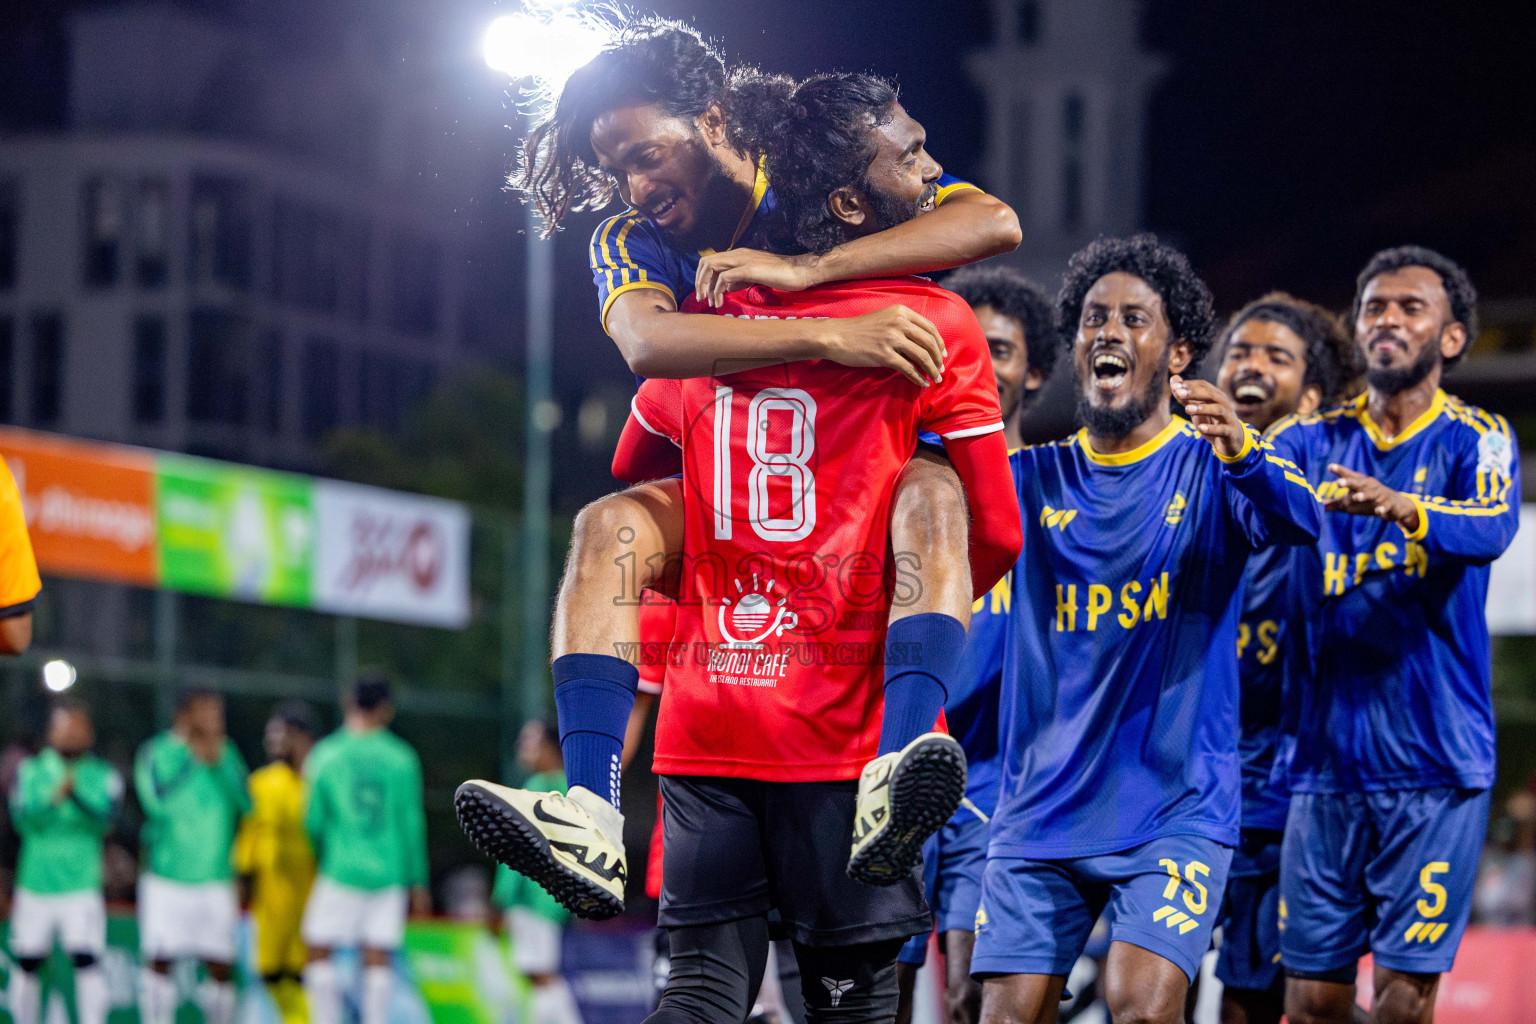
[(964, 403), (650, 446)]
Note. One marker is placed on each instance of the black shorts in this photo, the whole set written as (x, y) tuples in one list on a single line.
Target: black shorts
[(733, 848)]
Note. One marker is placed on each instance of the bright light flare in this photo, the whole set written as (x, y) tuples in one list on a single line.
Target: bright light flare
[(546, 43), (58, 675)]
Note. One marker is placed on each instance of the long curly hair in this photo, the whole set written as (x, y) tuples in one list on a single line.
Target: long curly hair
[(1186, 299), (1333, 359), (1454, 278), (653, 60)]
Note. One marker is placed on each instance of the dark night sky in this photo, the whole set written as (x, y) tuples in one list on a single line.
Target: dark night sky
[(1289, 140)]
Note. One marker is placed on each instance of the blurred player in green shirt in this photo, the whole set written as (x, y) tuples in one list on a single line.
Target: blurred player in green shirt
[(364, 817), (63, 804), (191, 784), (532, 916)]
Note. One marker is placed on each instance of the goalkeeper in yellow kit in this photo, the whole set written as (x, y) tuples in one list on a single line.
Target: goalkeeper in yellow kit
[(273, 853)]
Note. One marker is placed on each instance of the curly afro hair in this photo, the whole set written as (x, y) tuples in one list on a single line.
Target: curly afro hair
[(1186, 299), (1458, 286), (1013, 295), (815, 137), (1333, 359)]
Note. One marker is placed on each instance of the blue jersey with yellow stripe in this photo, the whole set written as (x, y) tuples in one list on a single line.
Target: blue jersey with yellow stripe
[(628, 252), (971, 710), (1401, 697), (1270, 655), (1120, 691)]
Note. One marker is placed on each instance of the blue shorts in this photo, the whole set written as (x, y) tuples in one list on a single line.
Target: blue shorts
[(1250, 915), (953, 860), (1389, 872), (1163, 896)]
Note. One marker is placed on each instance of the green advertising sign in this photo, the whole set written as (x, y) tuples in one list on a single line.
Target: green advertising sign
[(233, 531)]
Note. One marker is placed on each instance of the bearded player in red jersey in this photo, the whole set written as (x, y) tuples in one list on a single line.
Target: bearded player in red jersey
[(773, 708)]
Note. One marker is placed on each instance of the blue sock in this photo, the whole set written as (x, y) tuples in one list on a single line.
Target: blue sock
[(594, 694), (920, 653)]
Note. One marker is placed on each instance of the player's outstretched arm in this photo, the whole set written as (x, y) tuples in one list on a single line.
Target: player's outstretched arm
[(1270, 500), (644, 451), (997, 533), (969, 226), (658, 341), (1475, 522)]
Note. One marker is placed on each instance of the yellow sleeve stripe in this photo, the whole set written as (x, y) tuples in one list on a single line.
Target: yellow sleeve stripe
[(949, 190), (633, 286), (1296, 477), (629, 264), (1423, 528), (1248, 445)]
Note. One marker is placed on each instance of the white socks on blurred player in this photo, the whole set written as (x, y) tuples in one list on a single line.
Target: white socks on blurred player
[(553, 1003), (157, 997), (217, 1001), (91, 995), (378, 985), (323, 990), (25, 991)]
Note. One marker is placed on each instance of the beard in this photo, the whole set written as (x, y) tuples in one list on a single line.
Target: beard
[(891, 210), (1391, 380), (1117, 421)]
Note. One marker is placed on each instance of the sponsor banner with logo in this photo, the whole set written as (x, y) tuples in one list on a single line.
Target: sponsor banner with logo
[(90, 508), (393, 556), (233, 531), (154, 519)]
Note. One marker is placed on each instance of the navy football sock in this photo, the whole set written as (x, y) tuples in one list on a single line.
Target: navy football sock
[(920, 653), (594, 694)]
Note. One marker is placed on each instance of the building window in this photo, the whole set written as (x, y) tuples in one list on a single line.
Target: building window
[(103, 215), (47, 368), (320, 260), (321, 411), (220, 233), (152, 234), (218, 367), (272, 369), (7, 368), (149, 370), (1073, 129), (10, 233), (1029, 21), (1019, 178), (413, 281), (389, 387)]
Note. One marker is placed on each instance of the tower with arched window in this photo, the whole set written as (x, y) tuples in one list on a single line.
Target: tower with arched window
[(1065, 84)]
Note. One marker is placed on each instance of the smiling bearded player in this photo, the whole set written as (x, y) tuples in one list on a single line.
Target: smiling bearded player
[(1119, 702)]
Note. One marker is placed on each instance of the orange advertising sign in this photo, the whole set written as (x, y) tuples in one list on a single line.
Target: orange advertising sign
[(90, 508)]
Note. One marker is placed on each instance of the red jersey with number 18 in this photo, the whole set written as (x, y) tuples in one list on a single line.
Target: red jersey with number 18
[(777, 671)]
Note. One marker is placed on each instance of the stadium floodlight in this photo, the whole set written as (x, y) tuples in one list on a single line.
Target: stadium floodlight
[(58, 675), (545, 43)]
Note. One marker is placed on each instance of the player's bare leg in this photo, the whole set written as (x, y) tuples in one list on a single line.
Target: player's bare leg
[(1400, 999), (573, 845), (1142, 987), (908, 793), (1021, 998), (962, 993)]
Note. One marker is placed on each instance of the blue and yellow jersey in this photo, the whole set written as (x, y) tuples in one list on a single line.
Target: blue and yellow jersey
[(971, 710), (628, 252), (1272, 665), (1120, 693), (1401, 696)]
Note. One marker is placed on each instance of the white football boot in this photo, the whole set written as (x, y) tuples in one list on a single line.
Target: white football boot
[(904, 797), (572, 845)]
